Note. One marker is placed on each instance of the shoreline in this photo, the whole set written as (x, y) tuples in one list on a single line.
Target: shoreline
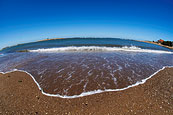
[(90, 92), (20, 95), (77, 37), (156, 44)]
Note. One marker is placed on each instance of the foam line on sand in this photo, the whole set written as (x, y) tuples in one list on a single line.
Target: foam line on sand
[(90, 92)]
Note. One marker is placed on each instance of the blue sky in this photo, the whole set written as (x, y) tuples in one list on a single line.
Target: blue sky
[(31, 20)]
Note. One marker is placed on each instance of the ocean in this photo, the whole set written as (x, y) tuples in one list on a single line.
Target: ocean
[(76, 67)]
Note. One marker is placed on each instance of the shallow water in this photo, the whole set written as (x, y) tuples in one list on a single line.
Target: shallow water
[(73, 70)]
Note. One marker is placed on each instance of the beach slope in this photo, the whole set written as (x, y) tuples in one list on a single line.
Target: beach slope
[(20, 95)]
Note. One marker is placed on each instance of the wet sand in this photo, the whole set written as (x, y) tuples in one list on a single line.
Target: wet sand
[(20, 95)]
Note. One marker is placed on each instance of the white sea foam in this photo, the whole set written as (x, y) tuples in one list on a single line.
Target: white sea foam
[(1, 55), (90, 92), (98, 48)]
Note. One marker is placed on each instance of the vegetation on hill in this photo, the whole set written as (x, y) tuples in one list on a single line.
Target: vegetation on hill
[(167, 43)]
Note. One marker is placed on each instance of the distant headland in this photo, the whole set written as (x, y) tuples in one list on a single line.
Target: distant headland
[(50, 39), (167, 44)]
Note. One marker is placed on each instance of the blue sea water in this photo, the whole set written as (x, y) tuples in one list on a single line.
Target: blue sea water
[(74, 66), (109, 42)]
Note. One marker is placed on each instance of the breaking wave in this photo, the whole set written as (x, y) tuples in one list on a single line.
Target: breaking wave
[(98, 49)]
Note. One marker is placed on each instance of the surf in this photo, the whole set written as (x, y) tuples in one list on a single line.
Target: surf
[(98, 49)]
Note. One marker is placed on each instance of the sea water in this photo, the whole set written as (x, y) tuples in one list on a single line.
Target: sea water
[(75, 66)]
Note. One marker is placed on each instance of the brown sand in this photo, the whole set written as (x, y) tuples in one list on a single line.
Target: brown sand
[(20, 95)]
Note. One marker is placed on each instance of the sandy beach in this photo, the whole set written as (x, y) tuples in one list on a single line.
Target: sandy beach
[(20, 95)]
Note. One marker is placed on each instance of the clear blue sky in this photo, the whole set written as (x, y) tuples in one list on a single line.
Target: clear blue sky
[(31, 20)]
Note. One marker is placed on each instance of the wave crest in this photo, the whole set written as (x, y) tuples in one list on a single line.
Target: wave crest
[(98, 49)]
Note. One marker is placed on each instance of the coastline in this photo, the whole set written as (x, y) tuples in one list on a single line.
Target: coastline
[(19, 94), (50, 39), (77, 37), (29, 42), (156, 44)]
